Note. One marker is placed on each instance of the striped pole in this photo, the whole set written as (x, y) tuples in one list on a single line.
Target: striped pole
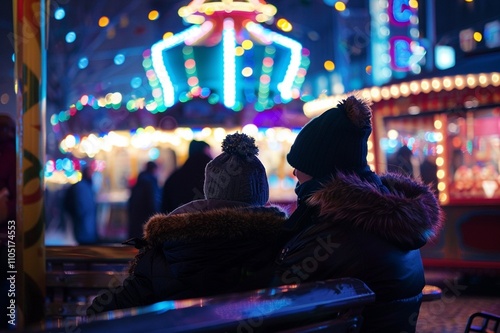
[(29, 38)]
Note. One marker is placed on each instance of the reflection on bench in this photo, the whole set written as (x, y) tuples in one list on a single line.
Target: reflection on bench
[(333, 305)]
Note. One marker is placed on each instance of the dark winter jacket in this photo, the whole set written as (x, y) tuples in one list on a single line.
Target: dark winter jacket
[(144, 202), (80, 203), (347, 227), (200, 254)]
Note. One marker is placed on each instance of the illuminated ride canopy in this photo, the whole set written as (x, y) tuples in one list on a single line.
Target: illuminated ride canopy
[(225, 62), (228, 57)]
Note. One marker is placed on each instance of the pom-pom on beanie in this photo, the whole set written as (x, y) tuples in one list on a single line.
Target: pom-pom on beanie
[(337, 140), (237, 174)]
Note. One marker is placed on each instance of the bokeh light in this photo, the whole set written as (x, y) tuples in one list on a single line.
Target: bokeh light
[(83, 63), (119, 59), (59, 14), (153, 15), (103, 21), (70, 37)]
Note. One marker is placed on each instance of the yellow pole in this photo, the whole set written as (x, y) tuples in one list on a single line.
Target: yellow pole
[(29, 37)]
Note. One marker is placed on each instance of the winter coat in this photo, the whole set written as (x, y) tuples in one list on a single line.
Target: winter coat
[(143, 203), (351, 228), (198, 254), (80, 203)]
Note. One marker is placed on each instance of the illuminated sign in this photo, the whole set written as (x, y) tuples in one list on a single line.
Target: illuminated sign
[(400, 52), (395, 39), (400, 12)]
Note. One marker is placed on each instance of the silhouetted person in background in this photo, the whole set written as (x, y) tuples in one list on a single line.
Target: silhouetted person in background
[(7, 204), (80, 203), (144, 199), (457, 160), (401, 162), (428, 173), (186, 183)]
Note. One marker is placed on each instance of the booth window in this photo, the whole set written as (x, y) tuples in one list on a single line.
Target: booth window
[(411, 146), (474, 154), (458, 153)]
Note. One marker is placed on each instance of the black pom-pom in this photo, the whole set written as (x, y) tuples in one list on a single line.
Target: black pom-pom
[(239, 144), (357, 110)]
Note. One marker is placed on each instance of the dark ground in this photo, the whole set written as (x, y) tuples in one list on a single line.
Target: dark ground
[(462, 295)]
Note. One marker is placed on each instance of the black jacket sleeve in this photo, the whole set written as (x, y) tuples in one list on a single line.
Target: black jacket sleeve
[(136, 290)]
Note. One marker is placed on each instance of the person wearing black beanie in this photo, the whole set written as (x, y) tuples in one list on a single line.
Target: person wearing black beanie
[(337, 140), (351, 222)]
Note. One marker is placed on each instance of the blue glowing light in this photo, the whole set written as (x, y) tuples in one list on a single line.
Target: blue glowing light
[(59, 14), (83, 62), (154, 153), (136, 82), (67, 164), (445, 57), (229, 81), (70, 37), (119, 59)]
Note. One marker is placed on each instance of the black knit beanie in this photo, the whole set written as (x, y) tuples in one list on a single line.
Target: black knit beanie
[(334, 141), (237, 174)]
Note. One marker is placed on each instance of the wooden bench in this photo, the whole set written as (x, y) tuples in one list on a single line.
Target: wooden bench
[(76, 274)]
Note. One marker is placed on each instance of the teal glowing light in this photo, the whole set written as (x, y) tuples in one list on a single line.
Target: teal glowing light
[(158, 61), (229, 45), (469, 146), (70, 37), (213, 99), (154, 153), (119, 59), (59, 14), (219, 36), (83, 62), (285, 86), (445, 57), (136, 82)]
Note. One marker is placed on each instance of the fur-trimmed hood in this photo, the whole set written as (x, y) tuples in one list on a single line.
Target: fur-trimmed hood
[(209, 252), (408, 216), (224, 223)]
